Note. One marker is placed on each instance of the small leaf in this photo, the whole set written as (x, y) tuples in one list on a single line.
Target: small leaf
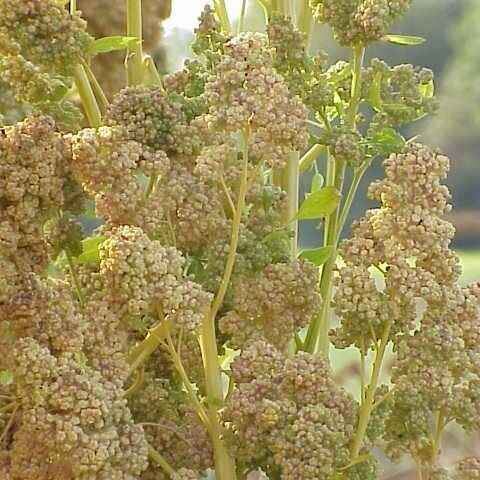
[(318, 256), (317, 182), (427, 90), (387, 141), (80, 358), (111, 44), (6, 377), (90, 252), (404, 39), (276, 235), (319, 204)]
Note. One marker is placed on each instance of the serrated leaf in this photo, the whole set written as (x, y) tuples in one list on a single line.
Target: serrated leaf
[(6, 377), (319, 204), (404, 39), (317, 182), (318, 256), (111, 44), (90, 253), (427, 90)]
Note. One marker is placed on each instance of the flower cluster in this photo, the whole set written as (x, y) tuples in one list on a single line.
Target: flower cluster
[(73, 423), (359, 21), (40, 43), (145, 278), (246, 93), (432, 321), (287, 416), (272, 304)]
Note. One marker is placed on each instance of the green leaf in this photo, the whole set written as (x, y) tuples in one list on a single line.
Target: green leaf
[(90, 252), (318, 256), (317, 182), (389, 141), (6, 377), (276, 235), (404, 39), (319, 204), (427, 90), (111, 44)]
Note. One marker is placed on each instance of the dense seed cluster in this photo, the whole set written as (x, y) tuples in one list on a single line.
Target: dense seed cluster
[(145, 278), (74, 424), (106, 162), (32, 160), (40, 44), (287, 415), (245, 93), (359, 21), (272, 304), (431, 319)]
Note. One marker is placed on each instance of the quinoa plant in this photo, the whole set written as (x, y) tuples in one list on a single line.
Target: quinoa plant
[(186, 336)]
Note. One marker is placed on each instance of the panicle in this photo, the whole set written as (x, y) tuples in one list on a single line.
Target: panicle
[(246, 93), (145, 278), (288, 416), (272, 304), (357, 22)]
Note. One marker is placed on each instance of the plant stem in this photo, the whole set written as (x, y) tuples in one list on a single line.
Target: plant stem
[(241, 20), (150, 343), (317, 336), (352, 192), (437, 436), (73, 6), (367, 405), (161, 462), (224, 464), (305, 22), (97, 89), (76, 283), (222, 13), (177, 362), (87, 97), (150, 68), (309, 157), (135, 49)]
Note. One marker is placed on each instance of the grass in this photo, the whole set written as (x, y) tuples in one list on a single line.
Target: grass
[(471, 265)]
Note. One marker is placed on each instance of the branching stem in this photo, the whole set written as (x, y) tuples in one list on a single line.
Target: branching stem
[(89, 102), (224, 464), (367, 405), (317, 336)]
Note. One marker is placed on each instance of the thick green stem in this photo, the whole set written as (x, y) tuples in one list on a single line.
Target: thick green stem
[(288, 180), (222, 14), (135, 49), (305, 22), (241, 19), (440, 422), (224, 464), (89, 102), (317, 336), (73, 6), (367, 405)]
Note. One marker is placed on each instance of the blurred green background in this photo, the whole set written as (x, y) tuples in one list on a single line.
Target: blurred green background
[(452, 50)]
